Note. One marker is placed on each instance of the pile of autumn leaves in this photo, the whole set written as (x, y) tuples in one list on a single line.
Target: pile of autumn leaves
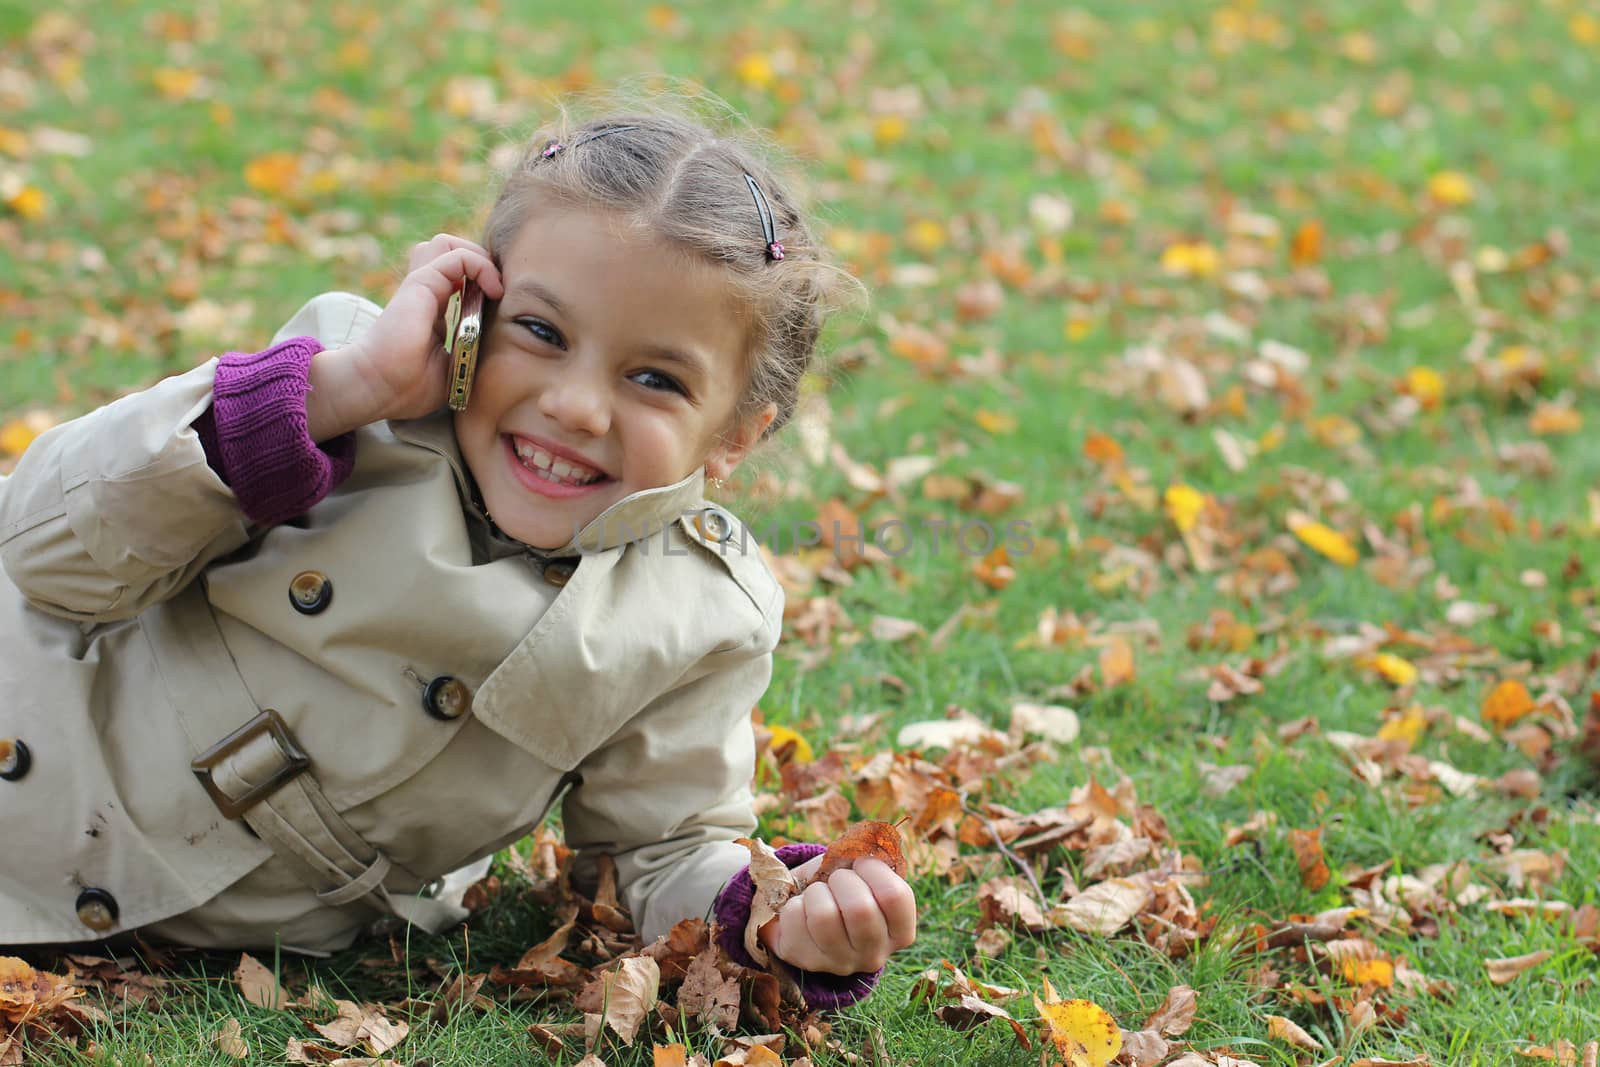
[(1126, 879)]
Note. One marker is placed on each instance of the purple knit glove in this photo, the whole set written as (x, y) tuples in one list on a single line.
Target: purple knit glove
[(732, 912), (255, 433)]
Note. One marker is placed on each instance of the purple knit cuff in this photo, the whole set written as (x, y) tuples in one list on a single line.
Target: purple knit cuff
[(822, 991), (255, 433)]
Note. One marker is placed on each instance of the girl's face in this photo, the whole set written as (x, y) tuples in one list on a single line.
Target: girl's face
[(613, 364)]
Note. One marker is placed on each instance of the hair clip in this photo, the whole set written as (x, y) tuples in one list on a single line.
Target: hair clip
[(555, 148), (768, 230)]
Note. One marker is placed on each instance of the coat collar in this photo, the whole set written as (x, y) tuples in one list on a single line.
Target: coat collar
[(636, 516)]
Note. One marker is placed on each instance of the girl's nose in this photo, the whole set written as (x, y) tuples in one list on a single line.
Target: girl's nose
[(578, 404)]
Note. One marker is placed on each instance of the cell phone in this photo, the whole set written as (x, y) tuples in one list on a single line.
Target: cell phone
[(463, 324)]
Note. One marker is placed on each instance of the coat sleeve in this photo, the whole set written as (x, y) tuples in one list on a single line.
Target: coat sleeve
[(118, 509), (667, 796)]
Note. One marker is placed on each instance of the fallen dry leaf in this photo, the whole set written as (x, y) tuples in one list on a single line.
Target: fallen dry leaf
[(1176, 1013), (230, 1039), (257, 984), (1504, 970), (362, 1024), (1283, 1029), (1307, 845), (623, 995), (1104, 908), (1082, 1031)]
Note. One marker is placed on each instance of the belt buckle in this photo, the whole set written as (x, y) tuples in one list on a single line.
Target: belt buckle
[(295, 761)]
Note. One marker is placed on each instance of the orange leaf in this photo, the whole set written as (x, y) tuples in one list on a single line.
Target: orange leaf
[(995, 569), (1116, 662), (1307, 845), (274, 173), (1506, 703), (1102, 449), (1306, 247), (868, 839), (670, 1055)]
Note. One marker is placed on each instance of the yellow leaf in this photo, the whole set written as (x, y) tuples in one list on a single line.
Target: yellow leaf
[(662, 17), (755, 70), (1507, 702), (176, 83), (18, 434), (1394, 669), (1082, 1031), (889, 129), (1184, 505), (1329, 542), (1078, 328), (1425, 385), (1585, 28), (996, 421), (1408, 726), (1360, 972), (28, 201), (274, 173), (1450, 188), (13, 142), (926, 235), (782, 735), (352, 54), (1191, 259)]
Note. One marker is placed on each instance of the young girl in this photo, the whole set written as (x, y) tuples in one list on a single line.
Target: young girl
[(284, 642)]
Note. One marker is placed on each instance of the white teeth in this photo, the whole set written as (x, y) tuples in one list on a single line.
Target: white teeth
[(551, 469)]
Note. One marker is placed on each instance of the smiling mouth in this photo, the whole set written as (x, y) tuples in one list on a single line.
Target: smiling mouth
[(559, 471)]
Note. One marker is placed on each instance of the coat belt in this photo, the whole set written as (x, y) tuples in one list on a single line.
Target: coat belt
[(260, 774)]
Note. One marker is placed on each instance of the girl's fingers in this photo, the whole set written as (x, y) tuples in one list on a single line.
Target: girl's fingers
[(862, 919), (442, 275), (427, 251), (895, 899), (795, 944)]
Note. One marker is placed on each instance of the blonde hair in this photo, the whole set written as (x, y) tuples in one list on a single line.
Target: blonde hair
[(675, 176)]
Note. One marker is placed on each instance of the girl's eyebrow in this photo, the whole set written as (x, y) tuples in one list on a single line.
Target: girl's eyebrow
[(539, 290), (690, 363)]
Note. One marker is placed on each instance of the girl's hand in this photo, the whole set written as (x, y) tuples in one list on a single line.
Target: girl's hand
[(399, 369), (848, 924)]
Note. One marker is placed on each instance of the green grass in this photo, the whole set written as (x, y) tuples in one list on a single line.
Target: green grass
[(1191, 114)]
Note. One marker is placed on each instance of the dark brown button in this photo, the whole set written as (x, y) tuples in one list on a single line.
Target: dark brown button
[(15, 759), (446, 698), (97, 909), (560, 571), (310, 592)]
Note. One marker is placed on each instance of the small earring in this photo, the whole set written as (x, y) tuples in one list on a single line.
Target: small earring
[(716, 483)]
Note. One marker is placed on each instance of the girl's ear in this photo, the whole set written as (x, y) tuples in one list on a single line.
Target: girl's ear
[(733, 446)]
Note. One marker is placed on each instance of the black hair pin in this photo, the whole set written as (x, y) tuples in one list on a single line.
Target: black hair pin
[(768, 230)]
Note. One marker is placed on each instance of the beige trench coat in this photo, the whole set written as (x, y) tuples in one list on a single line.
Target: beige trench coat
[(143, 621)]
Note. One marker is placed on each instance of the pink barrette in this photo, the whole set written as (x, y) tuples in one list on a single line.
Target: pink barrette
[(552, 148), (775, 250)]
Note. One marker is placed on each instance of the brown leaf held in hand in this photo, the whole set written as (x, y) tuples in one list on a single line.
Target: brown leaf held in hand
[(868, 839), (774, 885)]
